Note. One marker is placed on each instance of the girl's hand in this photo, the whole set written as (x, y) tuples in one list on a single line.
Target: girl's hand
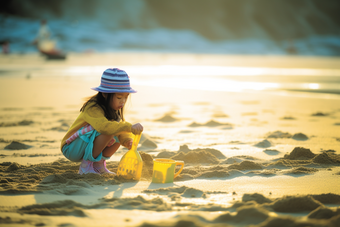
[(136, 128), (128, 144)]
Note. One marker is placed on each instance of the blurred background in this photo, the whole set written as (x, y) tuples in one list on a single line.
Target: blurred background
[(251, 27)]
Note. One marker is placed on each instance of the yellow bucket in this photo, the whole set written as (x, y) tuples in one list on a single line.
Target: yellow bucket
[(164, 170)]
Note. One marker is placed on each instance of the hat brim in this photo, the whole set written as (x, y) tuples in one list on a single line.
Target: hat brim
[(105, 90)]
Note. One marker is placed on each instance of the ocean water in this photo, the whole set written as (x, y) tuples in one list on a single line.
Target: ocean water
[(92, 36)]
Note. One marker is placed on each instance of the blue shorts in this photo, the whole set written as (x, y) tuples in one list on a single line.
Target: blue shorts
[(82, 147)]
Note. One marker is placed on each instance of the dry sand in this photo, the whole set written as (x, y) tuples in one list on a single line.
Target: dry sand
[(251, 159)]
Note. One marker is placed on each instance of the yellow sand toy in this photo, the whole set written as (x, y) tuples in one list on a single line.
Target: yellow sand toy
[(131, 164)]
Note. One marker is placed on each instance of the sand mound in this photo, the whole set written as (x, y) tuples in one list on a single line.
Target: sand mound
[(182, 191), (167, 118), (60, 128), (263, 144), (12, 167), (244, 216), (328, 198), (147, 165), (279, 134), (302, 170), (218, 154), (57, 178), (271, 151), (245, 165), (78, 183), (19, 221), (184, 148), (178, 222), (196, 157), (15, 145), (36, 155), (20, 123), (319, 114), (292, 204), (237, 159), (166, 154), (213, 174), (300, 136), (211, 123), (288, 118), (326, 158), (166, 191), (286, 163), (300, 153), (147, 142), (193, 172), (259, 198), (56, 208), (323, 213), (300, 157), (71, 190), (155, 204), (59, 208)]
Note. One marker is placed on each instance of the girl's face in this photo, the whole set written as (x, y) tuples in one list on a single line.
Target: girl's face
[(118, 100)]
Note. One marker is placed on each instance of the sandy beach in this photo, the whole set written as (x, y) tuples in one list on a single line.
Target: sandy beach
[(252, 157)]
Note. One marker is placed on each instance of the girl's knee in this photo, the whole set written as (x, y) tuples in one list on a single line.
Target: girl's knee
[(109, 151), (103, 139)]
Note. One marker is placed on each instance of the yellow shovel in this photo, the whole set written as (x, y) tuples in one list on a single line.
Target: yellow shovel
[(131, 164)]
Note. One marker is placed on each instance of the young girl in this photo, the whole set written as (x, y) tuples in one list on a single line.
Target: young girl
[(100, 127)]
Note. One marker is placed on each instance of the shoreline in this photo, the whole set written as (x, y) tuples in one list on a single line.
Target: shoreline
[(154, 59)]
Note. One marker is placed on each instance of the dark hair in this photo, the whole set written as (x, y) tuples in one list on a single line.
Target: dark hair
[(104, 103)]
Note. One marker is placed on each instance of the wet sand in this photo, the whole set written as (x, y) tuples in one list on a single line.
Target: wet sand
[(250, 158)]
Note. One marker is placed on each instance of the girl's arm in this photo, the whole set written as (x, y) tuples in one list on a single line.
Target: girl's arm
[(124, 138)]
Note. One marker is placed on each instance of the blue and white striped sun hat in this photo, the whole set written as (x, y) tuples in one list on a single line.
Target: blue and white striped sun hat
[(114, 81)]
